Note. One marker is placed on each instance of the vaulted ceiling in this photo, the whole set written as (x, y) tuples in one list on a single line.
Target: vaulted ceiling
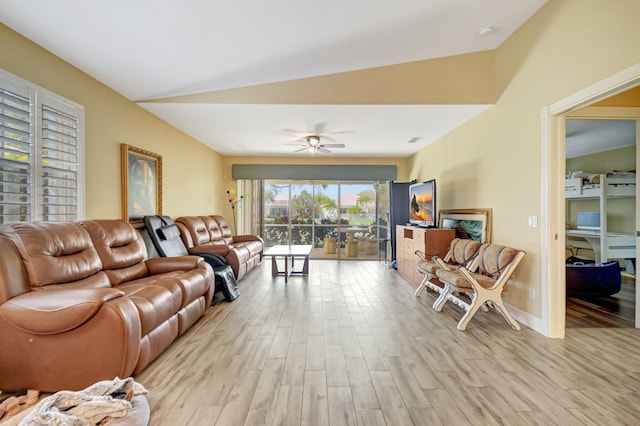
[(246, 76)]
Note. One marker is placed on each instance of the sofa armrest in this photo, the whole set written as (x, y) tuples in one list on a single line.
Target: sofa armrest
[(219, 249), (248, 237), (161, 265), (106, 345), (55, 311)]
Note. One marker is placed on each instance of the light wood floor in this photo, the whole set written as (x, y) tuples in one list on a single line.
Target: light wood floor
[(351, 345), (617, 310)]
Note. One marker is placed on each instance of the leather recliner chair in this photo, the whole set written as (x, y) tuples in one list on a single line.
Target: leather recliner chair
[(79, 303), (212, 234)]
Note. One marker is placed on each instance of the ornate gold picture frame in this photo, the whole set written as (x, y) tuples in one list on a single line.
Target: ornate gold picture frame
[(141, 183), (474, 224)]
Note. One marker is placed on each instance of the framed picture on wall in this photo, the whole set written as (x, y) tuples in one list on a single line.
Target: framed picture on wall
[(141, 183), (473, 224)]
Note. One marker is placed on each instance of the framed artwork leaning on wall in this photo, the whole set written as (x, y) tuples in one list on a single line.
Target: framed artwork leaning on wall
[(473, 224), (141, 183)]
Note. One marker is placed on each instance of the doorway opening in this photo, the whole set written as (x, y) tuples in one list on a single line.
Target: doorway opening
[(553, 186), (600, 206)]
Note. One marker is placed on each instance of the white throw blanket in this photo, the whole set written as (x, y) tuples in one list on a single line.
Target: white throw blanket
[(95, 405)]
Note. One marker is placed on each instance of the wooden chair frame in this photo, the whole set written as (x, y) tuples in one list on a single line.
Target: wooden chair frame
[(471, 265), (481, 297)]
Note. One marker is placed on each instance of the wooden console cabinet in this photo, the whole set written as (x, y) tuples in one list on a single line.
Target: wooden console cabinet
[(433, 242)]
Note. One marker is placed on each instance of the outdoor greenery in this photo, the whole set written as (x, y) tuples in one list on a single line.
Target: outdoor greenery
[(308, 218)]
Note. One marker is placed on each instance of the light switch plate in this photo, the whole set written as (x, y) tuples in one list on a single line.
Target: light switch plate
[(533, 221)]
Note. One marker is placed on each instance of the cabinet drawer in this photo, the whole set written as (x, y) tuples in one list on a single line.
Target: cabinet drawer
[(437, 241), (418, 240)]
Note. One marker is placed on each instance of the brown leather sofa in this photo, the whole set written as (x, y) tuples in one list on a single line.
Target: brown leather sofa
[(212, 234), (79, 303)]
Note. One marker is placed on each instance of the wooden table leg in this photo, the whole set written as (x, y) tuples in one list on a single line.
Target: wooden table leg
[(286, 268), (274, 266)]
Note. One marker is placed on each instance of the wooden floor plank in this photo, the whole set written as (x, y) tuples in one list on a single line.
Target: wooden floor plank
[(370, 418), (394, 410), (315, 411), (412, 393), (336, 366), (445, 408), (364, 395), (289, 406), (295, 365), (351, 344), (267, 389), (341, 411), (237, 406)]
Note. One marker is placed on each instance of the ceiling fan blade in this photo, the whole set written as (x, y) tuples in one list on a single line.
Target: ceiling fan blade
[(319, 128), (340, 132), (332, 145), (324, 150), (301, 149)]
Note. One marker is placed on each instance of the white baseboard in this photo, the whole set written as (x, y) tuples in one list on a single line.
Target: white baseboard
[(527, 319)]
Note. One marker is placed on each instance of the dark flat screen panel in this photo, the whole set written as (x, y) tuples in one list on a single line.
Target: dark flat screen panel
[(313, 172)]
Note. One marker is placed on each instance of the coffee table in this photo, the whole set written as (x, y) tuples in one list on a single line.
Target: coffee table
[(289, 251)]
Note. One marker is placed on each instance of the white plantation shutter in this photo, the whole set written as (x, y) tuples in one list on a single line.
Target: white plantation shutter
[(16, 153), (41, 154), (59, 165)]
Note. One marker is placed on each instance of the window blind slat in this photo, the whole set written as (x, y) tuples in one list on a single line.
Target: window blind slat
[(14, 144), (59, 145), (16, 110)]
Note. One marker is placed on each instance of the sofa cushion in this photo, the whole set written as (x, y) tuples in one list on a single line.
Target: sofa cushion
[(215, 233), (55, 252), (156, 299), (225, 229), (120, 248), (53, 312), (494, 258), (254, 248), (193, 284), (194, 231)]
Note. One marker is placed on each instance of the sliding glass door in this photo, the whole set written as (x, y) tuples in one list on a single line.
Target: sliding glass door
[(329, 215)]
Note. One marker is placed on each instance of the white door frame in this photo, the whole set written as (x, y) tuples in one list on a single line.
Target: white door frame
[(552, 206)]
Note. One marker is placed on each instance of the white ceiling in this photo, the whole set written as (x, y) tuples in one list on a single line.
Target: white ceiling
[(592, 136), (146, 49)]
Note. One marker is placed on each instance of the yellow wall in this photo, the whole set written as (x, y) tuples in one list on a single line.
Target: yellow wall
[(623, 159), (494, 160), (452, 80), (629, 98), (192, 172)]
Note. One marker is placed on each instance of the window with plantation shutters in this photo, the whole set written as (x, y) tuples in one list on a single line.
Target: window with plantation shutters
[(41, 142), (59, 163), (16, 113)]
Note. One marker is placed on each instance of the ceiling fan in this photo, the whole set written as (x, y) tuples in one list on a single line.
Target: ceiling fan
[(313, 145), (311, 140)]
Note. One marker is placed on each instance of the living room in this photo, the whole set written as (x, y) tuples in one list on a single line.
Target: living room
[(495, 160)]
